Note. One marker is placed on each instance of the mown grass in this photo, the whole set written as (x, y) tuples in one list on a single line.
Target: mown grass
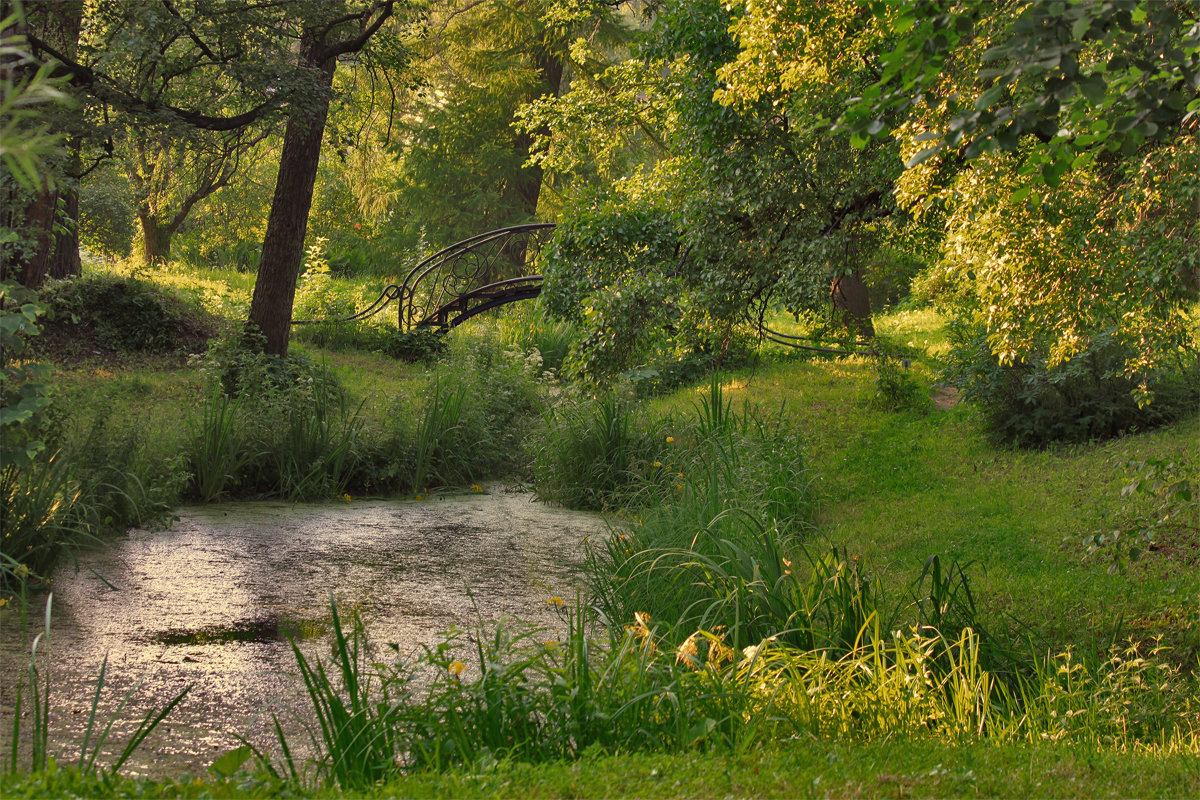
[(889, 769), (896, 487)]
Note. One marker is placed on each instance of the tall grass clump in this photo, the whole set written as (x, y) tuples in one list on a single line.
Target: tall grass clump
[(127, 476), (39, 519), (513, 695), (272, 426), (596, 453), (508, 694), (479, 406), (722, 511), (355, 734)]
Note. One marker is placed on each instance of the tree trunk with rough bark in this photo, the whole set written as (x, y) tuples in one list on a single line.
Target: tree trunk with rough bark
[(852, 305), (283, 245), (156, 238), (39, 217)]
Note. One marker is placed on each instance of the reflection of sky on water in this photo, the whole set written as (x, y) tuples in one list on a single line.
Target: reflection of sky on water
[(211, 602)]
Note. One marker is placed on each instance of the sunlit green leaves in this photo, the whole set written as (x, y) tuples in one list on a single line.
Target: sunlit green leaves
[(1043, 66)]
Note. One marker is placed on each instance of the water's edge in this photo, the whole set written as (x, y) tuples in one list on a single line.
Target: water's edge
[(211, 604)]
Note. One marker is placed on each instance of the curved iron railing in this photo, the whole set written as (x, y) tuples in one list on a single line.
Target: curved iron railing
[(460, 281), (467, 266), (465, 279)]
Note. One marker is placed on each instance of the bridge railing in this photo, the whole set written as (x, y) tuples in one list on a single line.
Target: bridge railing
[(465, 266)]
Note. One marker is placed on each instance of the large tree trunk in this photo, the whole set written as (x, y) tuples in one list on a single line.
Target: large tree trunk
[(39, 216), (852, 305), (65, 262), (156, 238), (283, 245)]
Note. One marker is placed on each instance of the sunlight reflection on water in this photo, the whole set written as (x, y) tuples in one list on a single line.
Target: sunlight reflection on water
[(211, 603)]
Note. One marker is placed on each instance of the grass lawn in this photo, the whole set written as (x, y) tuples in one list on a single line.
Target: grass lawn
[(898, 487), (798, 769)]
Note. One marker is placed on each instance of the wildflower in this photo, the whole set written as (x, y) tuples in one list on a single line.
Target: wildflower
[(475, 487), (346, 497), (456, 668), (641, 629), (420, 496), (658, 463), (688, 652), (357, 227), (555, 601), (670, 440)]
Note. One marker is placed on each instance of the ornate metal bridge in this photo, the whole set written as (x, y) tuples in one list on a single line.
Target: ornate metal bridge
[(491, 270), (467, 278)]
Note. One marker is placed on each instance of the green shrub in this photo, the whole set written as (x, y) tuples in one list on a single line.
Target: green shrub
[(272, 426), (106, 213), (125, 315), (25, 389), (1084, 399)]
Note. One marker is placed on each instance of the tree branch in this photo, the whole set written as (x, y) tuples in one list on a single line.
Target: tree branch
[(86, 78), (385, 8), (170, 6)]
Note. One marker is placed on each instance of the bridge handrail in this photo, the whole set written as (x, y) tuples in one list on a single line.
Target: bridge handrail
[(433, 262), (466, 244)]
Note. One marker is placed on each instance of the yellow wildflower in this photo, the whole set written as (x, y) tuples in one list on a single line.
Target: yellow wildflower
[(346, 497), (456, 668), (475, 487), (555, 601), (670, 439), (658, 463), (688, 652)]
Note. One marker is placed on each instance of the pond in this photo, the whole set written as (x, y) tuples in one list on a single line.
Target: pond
[(212, 601)]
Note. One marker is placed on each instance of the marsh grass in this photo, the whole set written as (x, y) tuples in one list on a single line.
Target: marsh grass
[(508, 695), (355, 735), (218, 451), (32, 701), (595, 453), (435, 436), (40, 521)]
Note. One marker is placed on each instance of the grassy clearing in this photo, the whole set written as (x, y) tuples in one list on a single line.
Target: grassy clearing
[(897, 487)]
